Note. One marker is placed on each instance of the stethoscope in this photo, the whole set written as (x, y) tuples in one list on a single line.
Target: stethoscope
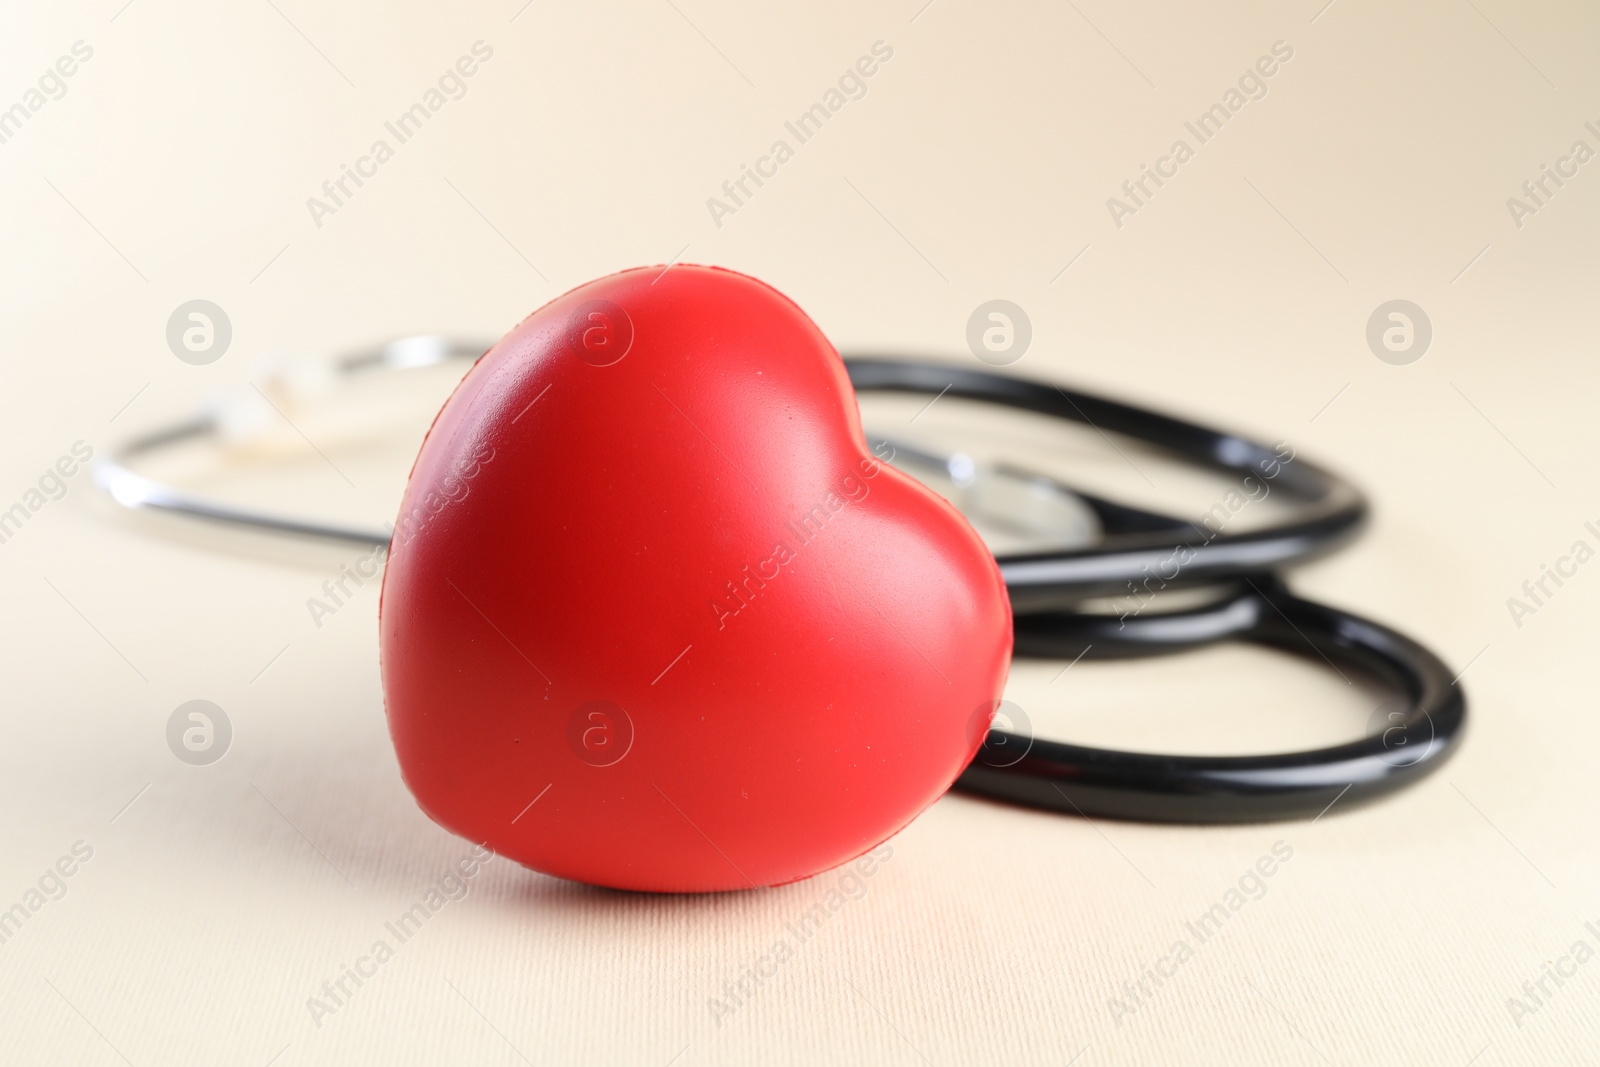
[(1111, 549)]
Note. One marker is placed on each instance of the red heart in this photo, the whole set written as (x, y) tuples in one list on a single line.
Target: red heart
[(655, 618)]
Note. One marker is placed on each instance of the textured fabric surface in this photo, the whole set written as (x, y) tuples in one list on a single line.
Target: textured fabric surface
[(182, 914)]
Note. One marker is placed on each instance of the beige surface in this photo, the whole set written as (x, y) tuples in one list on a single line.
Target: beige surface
[(177, 165)]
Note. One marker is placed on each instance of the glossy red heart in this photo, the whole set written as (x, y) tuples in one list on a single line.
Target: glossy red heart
[(655, 618)]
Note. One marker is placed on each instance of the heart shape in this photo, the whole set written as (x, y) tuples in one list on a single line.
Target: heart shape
[(655, 618)]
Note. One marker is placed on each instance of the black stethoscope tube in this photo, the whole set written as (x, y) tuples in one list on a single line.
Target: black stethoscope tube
[(1256, 607), (1211, 789), (1331, 512)]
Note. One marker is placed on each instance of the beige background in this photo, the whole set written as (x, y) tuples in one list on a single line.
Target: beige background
[(177, 166)]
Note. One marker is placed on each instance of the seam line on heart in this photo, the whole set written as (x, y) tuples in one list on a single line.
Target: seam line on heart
[(705, 835)]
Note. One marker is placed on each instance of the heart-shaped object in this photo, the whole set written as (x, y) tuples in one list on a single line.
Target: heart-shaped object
[(655, 618)]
